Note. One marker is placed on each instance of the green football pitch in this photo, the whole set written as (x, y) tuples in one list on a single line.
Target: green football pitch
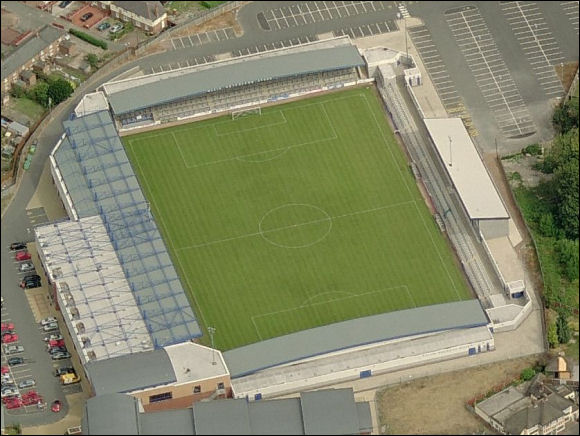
[(301, 216)]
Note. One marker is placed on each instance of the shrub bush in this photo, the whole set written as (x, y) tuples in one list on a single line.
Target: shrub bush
[(89, 38)]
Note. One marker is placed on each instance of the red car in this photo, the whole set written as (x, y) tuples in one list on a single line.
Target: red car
[(6, 326), (59, 343), (22, 255), (5, 369), (9, 337), (55, 406), (13, 403)]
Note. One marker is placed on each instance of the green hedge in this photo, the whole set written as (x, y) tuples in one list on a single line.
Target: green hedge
[(88, 38), (211, 4)]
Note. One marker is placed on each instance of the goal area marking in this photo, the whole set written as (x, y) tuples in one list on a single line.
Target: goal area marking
[(245, 112)]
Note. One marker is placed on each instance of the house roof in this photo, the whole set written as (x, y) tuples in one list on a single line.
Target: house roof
[(222, 417), (541, 412), (558, 364), (39, 41), (111, 414), (151, 10)]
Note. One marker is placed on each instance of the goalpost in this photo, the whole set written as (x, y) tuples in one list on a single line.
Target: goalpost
[(257, 110)]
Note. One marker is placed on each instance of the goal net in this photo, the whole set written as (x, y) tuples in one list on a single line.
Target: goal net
[(245, 112)]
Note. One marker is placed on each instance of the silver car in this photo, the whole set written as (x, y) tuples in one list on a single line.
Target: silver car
[(50, 327), (26, 266), (28, 383), (14, 349)]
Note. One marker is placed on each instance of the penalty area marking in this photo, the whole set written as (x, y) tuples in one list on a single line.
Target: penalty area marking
[(305, 304)]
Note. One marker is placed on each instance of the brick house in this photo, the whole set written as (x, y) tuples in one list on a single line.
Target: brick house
[(149, 16), (42, 45)]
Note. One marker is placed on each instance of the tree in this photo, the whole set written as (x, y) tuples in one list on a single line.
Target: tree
[(565, 116), (527, 374), (552, 335), (567, 251), (17, 91), (59, 90), (93, 60), (563, 329), (40, 93), (546, 225), (566, 183), (564, 148)]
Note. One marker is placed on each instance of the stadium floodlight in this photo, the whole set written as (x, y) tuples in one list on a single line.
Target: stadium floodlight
[(211, 331)]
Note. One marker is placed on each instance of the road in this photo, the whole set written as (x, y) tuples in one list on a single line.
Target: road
[(15, 223)]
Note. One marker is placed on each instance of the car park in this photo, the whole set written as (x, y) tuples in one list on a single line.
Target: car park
[(54, 337), (50, 327), (12, 361), (7, 326), (28, 383), (14, 349), (86, 16), (48, 320), (103, 26), (30, 398), (8, 338), (22, 255), (26, 266), (18, 246), (63, 370), (116, 28), (60, 355)]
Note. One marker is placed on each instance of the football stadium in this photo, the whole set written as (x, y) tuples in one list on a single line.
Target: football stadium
[(255, 226)]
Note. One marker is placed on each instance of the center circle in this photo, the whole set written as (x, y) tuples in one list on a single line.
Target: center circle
[(295, 225)]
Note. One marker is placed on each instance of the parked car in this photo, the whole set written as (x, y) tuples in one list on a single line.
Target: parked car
[(64, 4), (30, 284), (14, 349), (103, 26), (63, 370), (12, 361), (13, 403), (26, 266), (7, 326), (22, 255), (50, 327), (53, 337), (48, 320), (28, 383), (116, 28), (55, 343), (60, 355), (55, 407), (4, 370), (86, 16), (56, 350), (31, 277), (8, 338), (18, 246), (6, 378), (8, 392), (7, 386)]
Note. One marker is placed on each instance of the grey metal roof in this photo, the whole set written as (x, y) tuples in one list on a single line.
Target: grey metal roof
[(233, 74), (346, 334), (365, 420), (111, 414), (167, 422), (222, 417), (131, 372), (330, 412), (276, 417), (46, 36), (97, 172)]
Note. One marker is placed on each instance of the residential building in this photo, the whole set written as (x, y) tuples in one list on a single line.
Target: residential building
[(149, 16)]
